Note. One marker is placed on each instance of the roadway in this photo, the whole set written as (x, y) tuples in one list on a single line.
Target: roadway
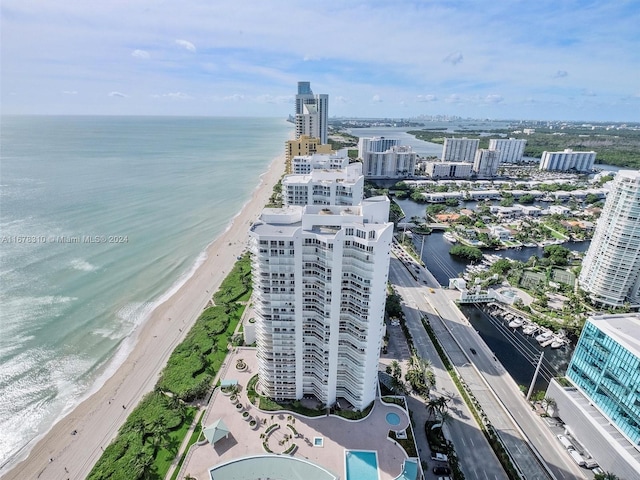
[(524, 434), (476, 457)]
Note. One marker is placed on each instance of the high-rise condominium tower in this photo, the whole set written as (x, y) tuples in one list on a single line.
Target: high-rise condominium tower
[(611, 268), (312, 113), (320, 276)]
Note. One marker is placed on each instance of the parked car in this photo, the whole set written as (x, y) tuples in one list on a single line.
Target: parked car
[(440, 457), (566, 443), (441, 470)]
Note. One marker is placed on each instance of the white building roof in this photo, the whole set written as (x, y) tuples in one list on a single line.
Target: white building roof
[(623, 328)]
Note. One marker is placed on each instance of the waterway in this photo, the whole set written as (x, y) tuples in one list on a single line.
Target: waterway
[(519, 353)]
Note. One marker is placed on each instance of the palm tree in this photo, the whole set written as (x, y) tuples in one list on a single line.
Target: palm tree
[(142, 465), (606, 476)]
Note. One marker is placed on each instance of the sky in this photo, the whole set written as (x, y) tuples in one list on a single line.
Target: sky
[(501, 59)]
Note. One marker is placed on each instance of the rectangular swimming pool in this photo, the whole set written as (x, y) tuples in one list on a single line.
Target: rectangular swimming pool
[(361, 465)]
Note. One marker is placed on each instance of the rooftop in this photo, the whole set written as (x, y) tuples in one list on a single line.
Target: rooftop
[(623, 328)]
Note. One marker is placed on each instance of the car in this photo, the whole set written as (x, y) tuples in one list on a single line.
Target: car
[(473, 350), (431, 290), (441, 457), (441, 470), (444, 478)]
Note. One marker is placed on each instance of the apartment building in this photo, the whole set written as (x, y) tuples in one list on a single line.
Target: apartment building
[(611, 268), (320, 276)]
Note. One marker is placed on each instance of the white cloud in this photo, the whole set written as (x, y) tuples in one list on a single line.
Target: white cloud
[(588, 93), (339, 99), (561, 74), (140, 54), (376, 99), (273, 99), (186, 44), (118, 94), (427, 98), (454, 58), (453, 98), (69, 92), (174, 96), (493, 98)]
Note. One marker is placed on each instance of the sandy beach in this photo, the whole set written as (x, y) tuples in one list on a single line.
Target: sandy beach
[(63, 454)]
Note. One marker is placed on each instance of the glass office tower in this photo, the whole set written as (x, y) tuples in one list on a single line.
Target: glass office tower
[(606, 367)]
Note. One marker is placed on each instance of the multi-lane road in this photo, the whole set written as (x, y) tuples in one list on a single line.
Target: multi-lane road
[(533, 447)]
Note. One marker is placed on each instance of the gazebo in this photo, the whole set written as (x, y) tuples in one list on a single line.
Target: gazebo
[(216, 431)]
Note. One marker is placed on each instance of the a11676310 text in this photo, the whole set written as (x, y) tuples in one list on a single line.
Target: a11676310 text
[(63, 239)]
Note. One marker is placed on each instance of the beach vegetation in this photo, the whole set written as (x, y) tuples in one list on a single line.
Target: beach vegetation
[(149, 440)]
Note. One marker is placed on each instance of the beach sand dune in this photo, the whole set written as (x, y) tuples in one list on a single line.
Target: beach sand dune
[(74, 444)]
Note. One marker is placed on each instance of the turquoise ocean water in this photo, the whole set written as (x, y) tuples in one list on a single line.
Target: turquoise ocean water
[(157, 189)]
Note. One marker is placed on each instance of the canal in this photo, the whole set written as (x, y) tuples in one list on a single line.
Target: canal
[(518, 353)]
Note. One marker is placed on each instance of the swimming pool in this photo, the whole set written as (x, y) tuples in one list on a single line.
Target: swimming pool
[(393, 418), (361, 465)]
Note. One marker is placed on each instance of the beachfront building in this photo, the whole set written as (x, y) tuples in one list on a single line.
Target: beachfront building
[(601, 404), (486, 163), (510, 150), (375, 144), (448, 169), (611, 269), (312, 113), (319, 275), (396, 162), (567, 160), (460, 149), (344, 186), (305, 164), (303, 146)]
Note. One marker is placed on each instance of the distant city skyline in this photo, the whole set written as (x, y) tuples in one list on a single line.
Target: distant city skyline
[(571, 61)]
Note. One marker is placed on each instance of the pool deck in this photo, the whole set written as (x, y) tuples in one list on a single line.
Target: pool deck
[(339, 434)]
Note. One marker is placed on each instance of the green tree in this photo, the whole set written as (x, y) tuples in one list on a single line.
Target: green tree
[(606, 476), (470, 253), (557, 254)]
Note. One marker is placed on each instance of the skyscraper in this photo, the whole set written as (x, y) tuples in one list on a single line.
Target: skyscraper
[(611, 269), (567, 160), (460, 149), (600, 405), (320, 276), (312, 113), (510, 150)]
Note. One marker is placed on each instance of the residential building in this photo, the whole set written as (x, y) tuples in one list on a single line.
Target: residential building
[(460, 149), (448, 169), (312, 113), (611, 269), (375, 144), (343, 186), (320, 275), (304, 164), (486, 163), (567, 160), (396, 162), (601, 405), (510, 150), (305, 145)]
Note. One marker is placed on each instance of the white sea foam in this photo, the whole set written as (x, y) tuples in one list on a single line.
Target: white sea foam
[(82, 265)]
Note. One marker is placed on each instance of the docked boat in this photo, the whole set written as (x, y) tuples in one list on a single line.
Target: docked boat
[(530, 329), (450, 237), (557, 343), (516, 322), (544, 336)]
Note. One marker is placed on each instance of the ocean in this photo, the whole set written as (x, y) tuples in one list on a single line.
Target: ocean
[(101, 219)]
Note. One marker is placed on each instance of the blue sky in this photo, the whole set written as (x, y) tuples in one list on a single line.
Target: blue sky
[(535, 59)]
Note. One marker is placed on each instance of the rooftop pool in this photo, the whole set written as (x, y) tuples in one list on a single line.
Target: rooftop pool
[(361, 465)]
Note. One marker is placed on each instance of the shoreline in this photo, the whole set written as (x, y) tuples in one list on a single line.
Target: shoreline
[(60, 454)]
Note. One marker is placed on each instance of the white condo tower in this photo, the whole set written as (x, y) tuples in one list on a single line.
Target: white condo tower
[(611, 268), (320, 275)]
